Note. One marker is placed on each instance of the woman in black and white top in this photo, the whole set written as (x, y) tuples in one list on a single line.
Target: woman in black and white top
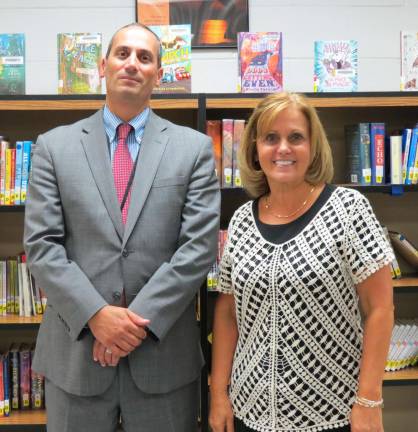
[(300, 262)]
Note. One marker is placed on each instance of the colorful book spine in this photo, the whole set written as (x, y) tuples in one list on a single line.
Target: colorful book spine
[(377, 152), (239, 125), (396, 159), (227, 139), (24, 369), (8, 177), (4, 145), (25, 169), (12, 61), (18, 176), (357, 139), (14, 373), (6, 379), (12, 175), (410, 168), (213, 129), (406, 142)]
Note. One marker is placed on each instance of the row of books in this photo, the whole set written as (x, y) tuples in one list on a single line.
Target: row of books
[(19, 294), (403, 350), (226, 136), (213, 275), (20, 387), (260, 62), (14, 171), (79, 57), (376, 158)]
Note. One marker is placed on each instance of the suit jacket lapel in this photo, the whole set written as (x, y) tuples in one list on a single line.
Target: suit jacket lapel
[(153, 145), (97, 152)]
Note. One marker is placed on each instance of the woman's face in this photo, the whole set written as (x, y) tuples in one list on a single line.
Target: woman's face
[(284, 150)]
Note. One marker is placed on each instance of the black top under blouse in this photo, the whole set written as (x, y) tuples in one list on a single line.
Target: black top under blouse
[(280, 233)]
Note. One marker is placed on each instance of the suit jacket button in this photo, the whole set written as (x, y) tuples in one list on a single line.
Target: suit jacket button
[(125, 253), (116, 296)]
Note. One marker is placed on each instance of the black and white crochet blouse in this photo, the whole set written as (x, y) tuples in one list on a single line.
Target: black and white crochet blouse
[(296, 362)]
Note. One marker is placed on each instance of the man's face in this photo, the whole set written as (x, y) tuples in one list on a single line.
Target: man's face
[(131, 70)]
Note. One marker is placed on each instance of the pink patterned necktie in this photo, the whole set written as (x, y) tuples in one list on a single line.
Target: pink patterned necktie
[(122, 167)]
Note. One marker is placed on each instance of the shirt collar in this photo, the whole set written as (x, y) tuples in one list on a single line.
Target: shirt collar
[(112, 121)]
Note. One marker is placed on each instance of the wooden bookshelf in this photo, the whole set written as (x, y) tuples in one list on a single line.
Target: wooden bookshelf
[(21, 418), (406, 282), (321, 100), (407, 374), (85, 103), (19, 320)]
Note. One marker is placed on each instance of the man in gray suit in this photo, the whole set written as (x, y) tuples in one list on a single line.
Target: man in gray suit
[(119, 338)]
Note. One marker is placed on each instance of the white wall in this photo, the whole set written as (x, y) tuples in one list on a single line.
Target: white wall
[(375, 24)]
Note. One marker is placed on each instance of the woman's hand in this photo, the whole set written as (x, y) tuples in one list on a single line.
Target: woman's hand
[(221, 417), (366, 419)]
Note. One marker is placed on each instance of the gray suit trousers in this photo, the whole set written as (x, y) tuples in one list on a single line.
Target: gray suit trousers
[(175, 411)]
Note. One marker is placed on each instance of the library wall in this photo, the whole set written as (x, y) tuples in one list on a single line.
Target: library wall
[(375, 24)]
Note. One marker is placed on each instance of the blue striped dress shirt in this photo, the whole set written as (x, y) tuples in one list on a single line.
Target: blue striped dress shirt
[(112, 121)]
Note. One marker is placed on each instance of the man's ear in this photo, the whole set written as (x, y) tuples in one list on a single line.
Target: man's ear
[(159, 76), (102, 68)]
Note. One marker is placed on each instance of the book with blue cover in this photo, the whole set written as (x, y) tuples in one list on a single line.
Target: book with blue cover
[(335, 66), (12, 64)]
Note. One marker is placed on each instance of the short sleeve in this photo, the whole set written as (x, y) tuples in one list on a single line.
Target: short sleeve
[(367, 248), (225, 268)]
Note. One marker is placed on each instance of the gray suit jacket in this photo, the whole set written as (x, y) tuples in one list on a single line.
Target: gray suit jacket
[(83, 257)]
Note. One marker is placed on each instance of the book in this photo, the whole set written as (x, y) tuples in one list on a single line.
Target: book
[(12, 64), (357, 139), (377, 152), (79, 56), (410, 166), (26, 158), (396, 159), (14, 375), (404, 247), (409, 61), (213, 129), (335, 66), (239, 125), (406, 142), (18, 171), (24, 370), (260, 67), (227, 140), (175, 59)]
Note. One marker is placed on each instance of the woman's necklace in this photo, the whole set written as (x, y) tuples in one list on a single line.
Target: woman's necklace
[(279, 216)]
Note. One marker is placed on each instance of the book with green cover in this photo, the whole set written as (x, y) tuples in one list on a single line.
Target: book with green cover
[(12, 63), (79, 56)]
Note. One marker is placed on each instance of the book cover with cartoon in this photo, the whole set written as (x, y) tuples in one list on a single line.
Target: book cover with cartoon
[(335, 66), (260, 62)]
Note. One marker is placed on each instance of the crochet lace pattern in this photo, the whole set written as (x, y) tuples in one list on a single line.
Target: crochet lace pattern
[(296, 362)]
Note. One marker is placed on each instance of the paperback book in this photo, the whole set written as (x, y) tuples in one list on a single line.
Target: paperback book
[(335, 66), (409, 61), (260, 62), (12, 64), (175, 58), (79, 56)]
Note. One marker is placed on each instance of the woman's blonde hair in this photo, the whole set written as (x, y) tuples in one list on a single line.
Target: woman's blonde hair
[(320, 169)]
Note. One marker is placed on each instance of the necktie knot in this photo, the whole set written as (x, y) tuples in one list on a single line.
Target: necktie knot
[(123, 131)]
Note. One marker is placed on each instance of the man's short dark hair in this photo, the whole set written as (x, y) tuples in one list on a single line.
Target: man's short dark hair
[(109, 48)]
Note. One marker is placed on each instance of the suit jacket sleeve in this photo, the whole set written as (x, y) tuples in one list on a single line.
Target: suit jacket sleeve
[(69, 291), (173, 286)]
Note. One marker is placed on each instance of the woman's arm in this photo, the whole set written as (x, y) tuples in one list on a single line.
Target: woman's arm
[(376, 302), (225, 336)]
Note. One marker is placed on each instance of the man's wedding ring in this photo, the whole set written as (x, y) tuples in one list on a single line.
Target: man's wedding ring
[(108, 351)]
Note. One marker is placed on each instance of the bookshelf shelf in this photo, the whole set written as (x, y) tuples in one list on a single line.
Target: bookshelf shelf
[(403, 375), (87, 102), (321, 100), (406, 282), (17, 419), (19, 320), (12, 209)]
